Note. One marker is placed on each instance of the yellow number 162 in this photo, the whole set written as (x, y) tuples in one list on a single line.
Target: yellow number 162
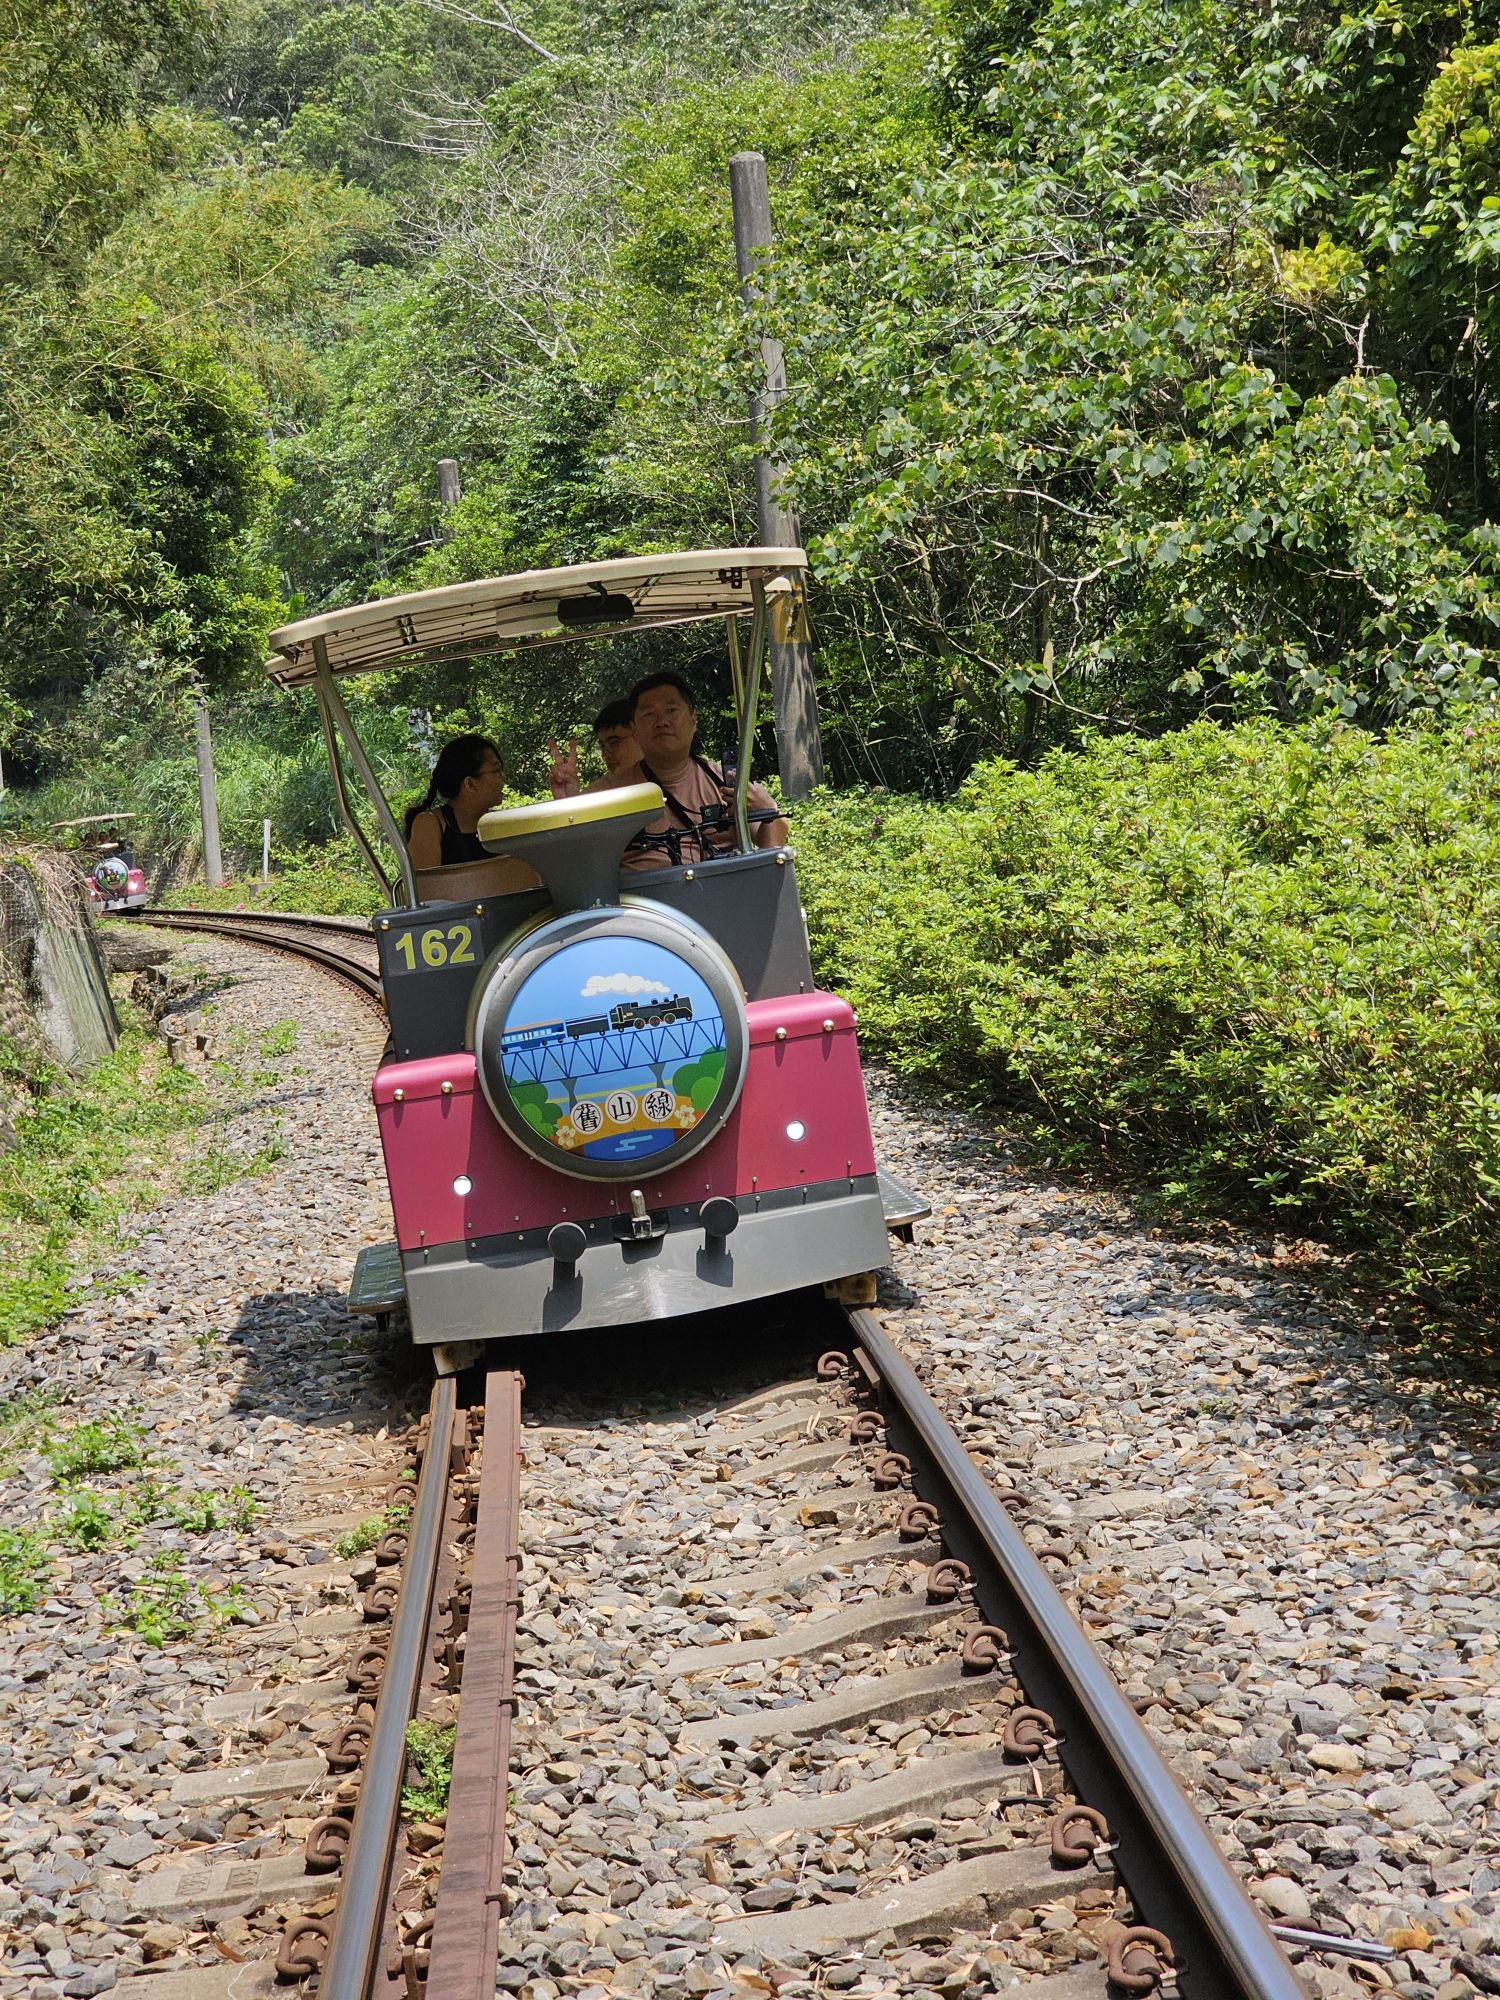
[(453, 945)]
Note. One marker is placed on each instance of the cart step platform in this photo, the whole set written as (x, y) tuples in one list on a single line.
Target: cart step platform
[(903, 1205), (379, 1286)]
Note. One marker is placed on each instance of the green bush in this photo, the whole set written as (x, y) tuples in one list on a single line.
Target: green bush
[(1247, 962), (327, 880), (25, 1570)]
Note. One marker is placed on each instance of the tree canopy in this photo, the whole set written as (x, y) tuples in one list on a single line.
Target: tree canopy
[(1141, 354)]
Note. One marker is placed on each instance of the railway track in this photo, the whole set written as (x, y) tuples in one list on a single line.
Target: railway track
[(882, 1732), (891, 1600), (341, 945)]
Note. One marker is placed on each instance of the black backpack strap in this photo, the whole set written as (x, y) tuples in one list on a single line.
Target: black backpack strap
[(717, 778), (673, 805), (672, 839)]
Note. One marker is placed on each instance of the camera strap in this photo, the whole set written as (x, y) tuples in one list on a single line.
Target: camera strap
[(673, 840)]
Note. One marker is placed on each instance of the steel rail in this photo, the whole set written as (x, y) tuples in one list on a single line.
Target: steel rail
[(1181, 1883), (353, 1949), (293, 919), (282, 931), (466, 1921)]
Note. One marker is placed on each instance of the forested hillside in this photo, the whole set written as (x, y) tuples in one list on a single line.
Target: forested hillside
[(1142, 350)]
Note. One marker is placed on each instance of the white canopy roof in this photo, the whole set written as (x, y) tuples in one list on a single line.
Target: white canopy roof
[(510, 611)]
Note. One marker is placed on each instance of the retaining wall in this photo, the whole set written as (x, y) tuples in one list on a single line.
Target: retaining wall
[(54, 996)]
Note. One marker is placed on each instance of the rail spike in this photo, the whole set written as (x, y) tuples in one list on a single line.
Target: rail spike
[(946, 1579), (919, 1522), (379, 1601), (367, 1669), (416, 1956), (303, 1947), (891, 1470), (1028, 1731), (984, 1648), (1137, 1960), (350, 1742), (1076, 1832), (326, 1845)]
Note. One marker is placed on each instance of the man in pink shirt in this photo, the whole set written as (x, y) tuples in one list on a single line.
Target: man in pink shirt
[(698, 822)]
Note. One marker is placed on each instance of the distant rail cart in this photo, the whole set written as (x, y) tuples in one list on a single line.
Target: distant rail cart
[(114, 880)]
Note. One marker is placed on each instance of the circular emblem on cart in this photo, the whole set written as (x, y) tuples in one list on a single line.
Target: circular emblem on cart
[(612, 1040)]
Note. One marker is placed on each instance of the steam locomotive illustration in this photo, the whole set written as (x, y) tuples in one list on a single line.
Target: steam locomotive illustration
[(629, 1014)]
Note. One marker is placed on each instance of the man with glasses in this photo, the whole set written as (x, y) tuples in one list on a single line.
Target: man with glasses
[(698, 821)]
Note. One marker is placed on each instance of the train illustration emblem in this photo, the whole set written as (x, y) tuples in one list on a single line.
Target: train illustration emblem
[(613, 1048)]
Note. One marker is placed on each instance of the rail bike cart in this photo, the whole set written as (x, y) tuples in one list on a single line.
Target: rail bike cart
[(606, 1099), (113, 879)]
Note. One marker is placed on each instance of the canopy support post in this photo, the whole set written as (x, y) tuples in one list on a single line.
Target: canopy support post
[(331, 705), (736, 669), (752, 671), (341, 795)]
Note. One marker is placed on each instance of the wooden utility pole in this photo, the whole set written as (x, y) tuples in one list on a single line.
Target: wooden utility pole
[(208, 799), (799, 743), (450, 492)]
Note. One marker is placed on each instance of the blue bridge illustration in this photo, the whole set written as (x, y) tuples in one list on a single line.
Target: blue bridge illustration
[(554, 1055)]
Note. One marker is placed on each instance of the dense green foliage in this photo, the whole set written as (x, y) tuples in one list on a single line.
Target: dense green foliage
[(1142, 371), (1247, 962), (1141, 353)]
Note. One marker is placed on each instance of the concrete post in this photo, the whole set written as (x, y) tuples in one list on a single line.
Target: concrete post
[(208, 799), (799, 743)]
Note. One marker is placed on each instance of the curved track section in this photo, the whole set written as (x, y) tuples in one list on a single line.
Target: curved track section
[(343, 946)]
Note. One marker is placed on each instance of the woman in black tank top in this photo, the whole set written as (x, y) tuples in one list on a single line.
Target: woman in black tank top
[(469, 780)]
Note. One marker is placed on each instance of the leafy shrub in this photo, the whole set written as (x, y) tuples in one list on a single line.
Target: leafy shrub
[(429, 1748), (1250, 961), (327, 880), (165, 1603), (366, 1533), (110, 1445), (202, 1512), (34, 1297), (25, 1569), (85, 1522), (87, 1153)]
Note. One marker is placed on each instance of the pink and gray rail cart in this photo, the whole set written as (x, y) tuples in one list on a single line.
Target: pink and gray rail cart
[(606, 1100)]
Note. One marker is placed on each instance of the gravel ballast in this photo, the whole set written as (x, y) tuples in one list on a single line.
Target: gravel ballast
[(1285, 1548), (220, 1332), (1283, 1543)]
